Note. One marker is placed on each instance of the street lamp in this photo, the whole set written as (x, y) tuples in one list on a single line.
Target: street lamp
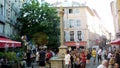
[(62, 48)]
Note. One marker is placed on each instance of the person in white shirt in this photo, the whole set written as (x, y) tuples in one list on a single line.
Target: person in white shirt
[(67, 59), (99, 55), (37, 57), (104, 64), (109, 56)]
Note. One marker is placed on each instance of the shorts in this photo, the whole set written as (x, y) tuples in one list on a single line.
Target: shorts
[(99, 57), (42, 63)]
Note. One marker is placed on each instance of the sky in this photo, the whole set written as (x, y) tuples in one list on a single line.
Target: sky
[(103, 9)]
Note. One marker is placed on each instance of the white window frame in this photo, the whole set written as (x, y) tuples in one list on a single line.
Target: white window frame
[(76, 11), (78, 23), (71, 22)]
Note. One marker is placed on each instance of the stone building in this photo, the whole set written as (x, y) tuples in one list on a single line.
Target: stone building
[(9, 11), (82, 25)]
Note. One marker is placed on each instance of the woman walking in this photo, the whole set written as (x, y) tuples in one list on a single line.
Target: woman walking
[(88, 57), (83, 59)]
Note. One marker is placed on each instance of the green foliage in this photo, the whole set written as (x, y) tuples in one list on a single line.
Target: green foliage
[(16, 37), (40, 38), (36, 18), (10, 55)]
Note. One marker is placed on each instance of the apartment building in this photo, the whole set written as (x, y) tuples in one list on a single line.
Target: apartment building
[(115, 9), (82, 25), (118, 11), (9, 11)]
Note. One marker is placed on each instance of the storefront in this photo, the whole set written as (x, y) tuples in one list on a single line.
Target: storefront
[(73, 44)]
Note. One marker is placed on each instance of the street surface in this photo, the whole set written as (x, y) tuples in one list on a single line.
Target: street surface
[(91, 65)]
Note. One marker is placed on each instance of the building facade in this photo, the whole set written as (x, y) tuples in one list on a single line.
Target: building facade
[(115, 9), (118, 12), (82, 25), (9, 11)]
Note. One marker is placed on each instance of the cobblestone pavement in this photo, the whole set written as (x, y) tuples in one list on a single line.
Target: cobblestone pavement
[(91, 65)]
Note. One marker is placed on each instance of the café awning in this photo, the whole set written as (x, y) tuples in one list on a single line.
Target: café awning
[(115, 42), (5, 43), (73, 43)]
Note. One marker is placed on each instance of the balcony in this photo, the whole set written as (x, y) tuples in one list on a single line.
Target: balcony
[(2, 18)]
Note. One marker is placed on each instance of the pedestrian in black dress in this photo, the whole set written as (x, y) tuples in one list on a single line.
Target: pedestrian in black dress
[(88, 57), (28, 54), (42, 58)]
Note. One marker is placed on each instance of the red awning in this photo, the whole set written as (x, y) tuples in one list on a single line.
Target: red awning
[(72, 43), (5, 42), (115, 42)]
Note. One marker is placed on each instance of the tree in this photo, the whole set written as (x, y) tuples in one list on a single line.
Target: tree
[(36, 17), (40, 38)]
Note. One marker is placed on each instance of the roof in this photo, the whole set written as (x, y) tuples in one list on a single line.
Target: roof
[(95, 12), (66, 4), (72, 5)]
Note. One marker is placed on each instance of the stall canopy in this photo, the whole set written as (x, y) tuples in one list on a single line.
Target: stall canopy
[(115, 42), (5, 42), (72, 43)]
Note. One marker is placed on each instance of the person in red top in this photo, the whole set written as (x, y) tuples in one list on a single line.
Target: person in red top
[(48, 56), (83, 59)]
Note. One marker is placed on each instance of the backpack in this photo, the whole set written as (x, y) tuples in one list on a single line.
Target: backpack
[(49, 55)]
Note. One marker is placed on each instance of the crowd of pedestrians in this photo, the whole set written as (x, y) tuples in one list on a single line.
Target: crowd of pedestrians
[(41, 56), (74, 58), (79, 58)]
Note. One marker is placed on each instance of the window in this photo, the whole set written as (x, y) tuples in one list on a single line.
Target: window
[(71, 35), (67, 36), (66, 11), (11, 30), (77, 11), (79, 35), (71, 23), (1, 28), (70, 11), (1, 9), (78, 23)]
